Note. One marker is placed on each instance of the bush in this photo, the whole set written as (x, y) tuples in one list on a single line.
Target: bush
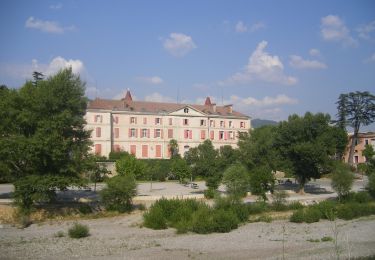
[(257, 207), (154, 218), (342, 180), (279, 200), (233, 204), (295, 205), (312, 214), (118, 194), (84, 209), (360, 197), (128, 165), (210, 193), (201, 222), (326, 239), (78, 231), (327, 209), (297, 217), (224, 221)]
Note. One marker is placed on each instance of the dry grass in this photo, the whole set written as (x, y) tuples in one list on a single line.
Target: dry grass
[(7, 214)]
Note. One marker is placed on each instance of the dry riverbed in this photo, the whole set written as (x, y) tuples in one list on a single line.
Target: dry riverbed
[(123, 237)]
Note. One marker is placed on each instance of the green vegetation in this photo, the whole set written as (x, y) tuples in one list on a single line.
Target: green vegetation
[(129, 165), (44, 145), (118, 194), (342, 179), (237, 180), (78, 231)]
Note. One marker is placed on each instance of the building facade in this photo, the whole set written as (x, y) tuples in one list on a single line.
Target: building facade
[(146, 128), (363, 140)]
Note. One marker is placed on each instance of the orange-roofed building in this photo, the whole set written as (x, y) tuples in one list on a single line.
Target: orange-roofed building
[(145, 128), (363, 140)]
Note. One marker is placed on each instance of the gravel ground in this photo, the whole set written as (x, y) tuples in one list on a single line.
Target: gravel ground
[(122, 238)]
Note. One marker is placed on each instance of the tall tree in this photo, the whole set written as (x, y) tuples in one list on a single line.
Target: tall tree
[(43, 143), (356, 109), (308, 144)]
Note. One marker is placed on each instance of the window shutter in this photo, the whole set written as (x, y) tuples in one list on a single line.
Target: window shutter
[(154, 133), (130, 132), (148, 133), (190, 134), (161, 133), (95, 118), (135, 120)]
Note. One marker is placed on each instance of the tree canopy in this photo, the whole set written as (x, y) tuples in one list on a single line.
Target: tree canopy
[(42, 135)]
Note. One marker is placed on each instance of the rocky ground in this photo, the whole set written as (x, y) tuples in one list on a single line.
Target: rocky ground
[(123, 237)]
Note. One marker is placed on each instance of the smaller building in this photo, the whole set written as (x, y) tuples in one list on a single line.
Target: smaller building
[(363, 140)]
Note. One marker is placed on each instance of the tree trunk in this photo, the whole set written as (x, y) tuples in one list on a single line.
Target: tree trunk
[(301, 182)]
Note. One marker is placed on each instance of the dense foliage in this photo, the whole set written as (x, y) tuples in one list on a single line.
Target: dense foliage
[(43, 140), (342, 179), (119, 193), (237, 180)]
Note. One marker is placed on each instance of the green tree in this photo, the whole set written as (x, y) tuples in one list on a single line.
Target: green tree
[(342, 179), (307, 145), (261, 181), (42, 135), (237, 180), (369, 152), (356, 109), (256, 148), (119, 193), (180, 169), (227, 156), (204, 162), (129, 165)]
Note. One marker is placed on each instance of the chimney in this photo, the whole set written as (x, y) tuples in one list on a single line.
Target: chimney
[(128, 96), (214, 107), (207, 102), (229, 108)]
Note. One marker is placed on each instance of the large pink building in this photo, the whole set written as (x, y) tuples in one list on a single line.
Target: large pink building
[(363, 140), (145, 128)]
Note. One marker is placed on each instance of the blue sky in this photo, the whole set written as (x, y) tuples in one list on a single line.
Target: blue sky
[(269, 58)]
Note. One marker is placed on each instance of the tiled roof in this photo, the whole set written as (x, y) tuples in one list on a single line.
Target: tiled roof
[(158, 107)]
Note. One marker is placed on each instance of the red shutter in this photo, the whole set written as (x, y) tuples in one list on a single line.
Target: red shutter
[(154, 133), (161, 133), (226, 135), (203, 134), (186, 134), (158, 151), (133, 149), (170, 133), (98, 132), (130, 132), (190, 134), (144, 151), (98, 149)]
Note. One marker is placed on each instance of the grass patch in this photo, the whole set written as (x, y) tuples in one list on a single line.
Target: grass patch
[(78, 231), (326, 239), (59, 234)]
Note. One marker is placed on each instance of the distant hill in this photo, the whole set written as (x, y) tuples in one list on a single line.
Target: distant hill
[(255, 123)]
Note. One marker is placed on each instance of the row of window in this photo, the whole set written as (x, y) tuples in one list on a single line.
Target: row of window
[(158, 133), (133, 150), (159, 121)]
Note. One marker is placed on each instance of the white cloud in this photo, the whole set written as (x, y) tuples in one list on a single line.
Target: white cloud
[(179, 44), (46, 26), (298, 62), (151, 80), (314, 52), (262, 67), (264, 102), (241, 27), (24, 71), (365, 31), (157, 97), (56, 6), (257, 26), (334, 29)]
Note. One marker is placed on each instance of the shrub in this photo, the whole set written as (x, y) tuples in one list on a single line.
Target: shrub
[(128, 165), (261, 181), (327, 209), (84, 209), (78, 231), (362, 197), (297, 217), (354, 210), (183, 226), (326, 239), (312, 214), (342, 180), (201, 222), (154, 218), (295, 205), (264, 218), (279, 200), (119, 192), (224, 221), (210, 193), (60, 234), (257, 207), (234, 205)]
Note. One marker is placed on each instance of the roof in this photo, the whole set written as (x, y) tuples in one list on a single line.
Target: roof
[(160, 107)]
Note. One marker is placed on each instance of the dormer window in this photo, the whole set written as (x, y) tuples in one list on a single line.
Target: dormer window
[(186, 110)]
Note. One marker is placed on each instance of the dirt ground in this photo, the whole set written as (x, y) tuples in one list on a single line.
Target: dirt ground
[(123, 237)]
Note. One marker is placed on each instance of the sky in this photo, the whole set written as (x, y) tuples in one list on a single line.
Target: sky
[(268, 58)]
